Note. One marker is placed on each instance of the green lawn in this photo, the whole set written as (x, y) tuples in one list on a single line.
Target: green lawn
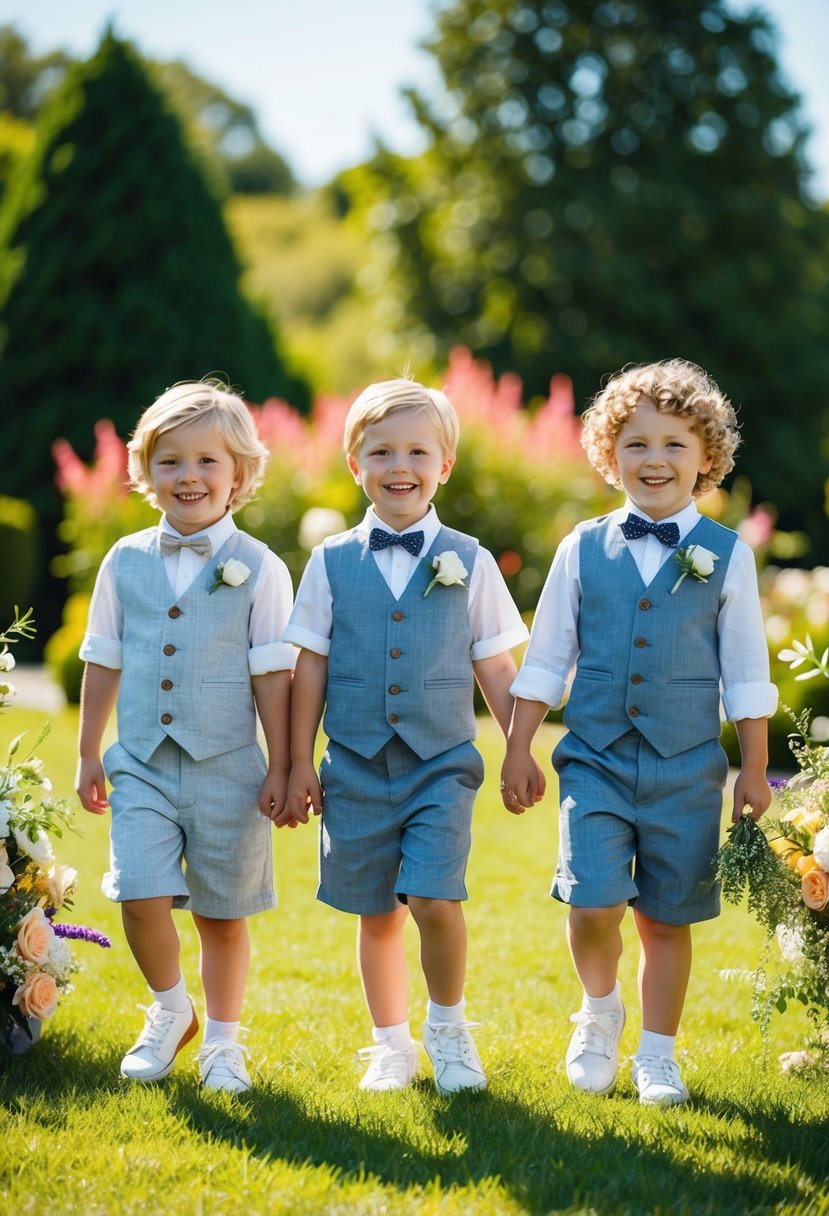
[(79, 1142)]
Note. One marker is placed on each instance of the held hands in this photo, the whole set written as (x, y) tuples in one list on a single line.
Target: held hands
[(272, 793), (90, 785), (522, 781), (304, 797)]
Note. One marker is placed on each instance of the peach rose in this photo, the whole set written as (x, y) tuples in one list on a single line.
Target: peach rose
[(814, 889), (37, 996), (34, 936)]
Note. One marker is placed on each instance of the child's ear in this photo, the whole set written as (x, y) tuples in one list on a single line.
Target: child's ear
[(446, 469), (706, 462), (354, 469)]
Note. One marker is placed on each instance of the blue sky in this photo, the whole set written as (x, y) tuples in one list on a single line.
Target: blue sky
[(324, 75)]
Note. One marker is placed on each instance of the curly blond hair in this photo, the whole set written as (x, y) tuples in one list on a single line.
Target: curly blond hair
[(199, 401), (675, 386)]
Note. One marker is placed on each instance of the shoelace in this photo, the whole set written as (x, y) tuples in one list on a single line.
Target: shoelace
[(659, 1070), (596, 1031), (210, 1052), (157, 1024), (387, 1063), (452, 1043)]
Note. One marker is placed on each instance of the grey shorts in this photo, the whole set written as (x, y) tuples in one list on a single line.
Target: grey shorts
[(635, 827), (191, 830), (395, 825)]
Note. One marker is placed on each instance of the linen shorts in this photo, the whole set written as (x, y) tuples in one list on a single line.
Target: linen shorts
[(191, 830), (635, 827), (395, 826)]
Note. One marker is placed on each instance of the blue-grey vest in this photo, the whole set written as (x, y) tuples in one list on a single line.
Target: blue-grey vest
[(398, 666), (648, 659), (185, 671)]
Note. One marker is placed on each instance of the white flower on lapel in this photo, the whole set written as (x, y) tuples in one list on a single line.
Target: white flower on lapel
[(448, 570), (231, 573), (696, 561)]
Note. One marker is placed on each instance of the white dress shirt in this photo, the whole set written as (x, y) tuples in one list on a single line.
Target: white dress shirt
[(744, 662), (493, 617), (272, 598)]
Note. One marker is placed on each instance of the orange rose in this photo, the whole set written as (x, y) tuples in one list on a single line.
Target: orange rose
[(34, 936), (37, 996), (814, 889)]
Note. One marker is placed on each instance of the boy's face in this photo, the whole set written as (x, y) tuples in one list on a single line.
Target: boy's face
[(658, 458), (399, 465), (193, 476)]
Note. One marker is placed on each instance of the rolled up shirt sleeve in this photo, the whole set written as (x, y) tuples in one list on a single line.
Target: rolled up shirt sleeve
[(102, 641), (311, 621), (271, 610), (747, 691), (495, 621), (554, 648)]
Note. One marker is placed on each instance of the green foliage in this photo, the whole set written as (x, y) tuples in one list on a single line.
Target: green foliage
[(609, 183), (117, 277), (25, 79), (20, 546), (61, 652)]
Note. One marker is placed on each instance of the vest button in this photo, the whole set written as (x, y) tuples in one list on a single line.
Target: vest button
[(640, 642), (166, 685), (393, 718), (394, 690), (644, 605), (633, 711), (394, 652), (169, 649), (174, 612), (166, 719), (636, 679), (397, 615)]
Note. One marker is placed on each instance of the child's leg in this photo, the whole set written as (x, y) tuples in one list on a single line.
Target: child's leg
[(153, 940), (384, 973), (446, 1034), (595, 940), (225, 957), (664, 970)]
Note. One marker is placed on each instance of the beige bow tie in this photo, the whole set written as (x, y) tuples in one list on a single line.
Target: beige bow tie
[(171, 544)]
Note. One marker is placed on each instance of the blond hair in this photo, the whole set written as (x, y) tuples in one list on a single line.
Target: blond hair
[(199, 401), (387, 397), (675, 386)]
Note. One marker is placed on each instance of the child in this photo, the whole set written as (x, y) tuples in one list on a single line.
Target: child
[(184, 628), (641, 770), (394, 617)]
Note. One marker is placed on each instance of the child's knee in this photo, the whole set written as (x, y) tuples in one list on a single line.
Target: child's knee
[(594, 922), (435, 914)]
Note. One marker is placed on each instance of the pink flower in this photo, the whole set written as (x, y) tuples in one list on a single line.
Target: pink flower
[(814, 889), (37, 996), (34, 936)]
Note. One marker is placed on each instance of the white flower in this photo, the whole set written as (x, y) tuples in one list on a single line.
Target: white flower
[(820, 848), (448, 569), (6, 810), (790, 942), (696, 561), (6, 661), (39, 850), (231, 573), (60, 880), (6, 872)]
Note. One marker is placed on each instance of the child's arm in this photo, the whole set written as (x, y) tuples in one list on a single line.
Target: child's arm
[(98, 695), (522, 781), (494, 676), (307, 701), (751, 789), (272, 694)]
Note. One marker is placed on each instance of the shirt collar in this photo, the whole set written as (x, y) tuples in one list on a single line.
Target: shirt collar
[(219, 533), (685, 519), (429, 525)]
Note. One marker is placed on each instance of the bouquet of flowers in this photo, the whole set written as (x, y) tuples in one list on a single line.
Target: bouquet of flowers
[(36, 960), (783, 866)]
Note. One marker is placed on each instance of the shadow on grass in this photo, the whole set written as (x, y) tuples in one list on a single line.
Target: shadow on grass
[(491, 1139)]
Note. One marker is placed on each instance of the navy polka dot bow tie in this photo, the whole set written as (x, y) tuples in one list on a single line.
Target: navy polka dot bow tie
[(380, 539), (635, 526)]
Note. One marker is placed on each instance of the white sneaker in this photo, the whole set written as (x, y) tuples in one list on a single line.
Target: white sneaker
[(154, 1052), (389, 1067), (658, 1081), (222, 1066), (454, 1058), (592, 1058)]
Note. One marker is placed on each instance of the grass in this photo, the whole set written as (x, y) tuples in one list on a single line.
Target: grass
[(79, 1142)]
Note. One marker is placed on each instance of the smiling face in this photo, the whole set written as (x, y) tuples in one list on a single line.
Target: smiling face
[(400, 464), (658, 458), (193, 476)]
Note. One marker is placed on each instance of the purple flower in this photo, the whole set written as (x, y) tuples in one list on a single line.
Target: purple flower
[(778, 783), (81, 933)]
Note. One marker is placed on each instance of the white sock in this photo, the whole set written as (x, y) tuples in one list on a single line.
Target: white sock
[(174, 998), (603, 1004), (653, 1044), (445, 1015), (398, 1036), (220, 1030)]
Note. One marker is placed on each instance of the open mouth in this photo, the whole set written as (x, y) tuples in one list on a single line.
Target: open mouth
[(190, 497), (399, 487)]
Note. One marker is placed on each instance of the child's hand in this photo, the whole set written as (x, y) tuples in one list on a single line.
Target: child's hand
[(522, 782), (272, 794), (751, 793), (304, 797), (90, 785)]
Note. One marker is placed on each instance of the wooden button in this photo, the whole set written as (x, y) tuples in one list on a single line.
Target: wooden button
[(169, 649), (633, 711), (166, 685), (397, 615), (636, 679), (393, 718), (644, 605), (174, 612), (394, 690), (166, 719), (640, 642), (395, 653)]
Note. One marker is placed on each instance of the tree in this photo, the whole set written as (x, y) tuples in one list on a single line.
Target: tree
[(610, 182), (117, 277)]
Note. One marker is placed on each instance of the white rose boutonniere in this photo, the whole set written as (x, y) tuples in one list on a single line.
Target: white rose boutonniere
[(231, 573), (696, 561), (448, 570)]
